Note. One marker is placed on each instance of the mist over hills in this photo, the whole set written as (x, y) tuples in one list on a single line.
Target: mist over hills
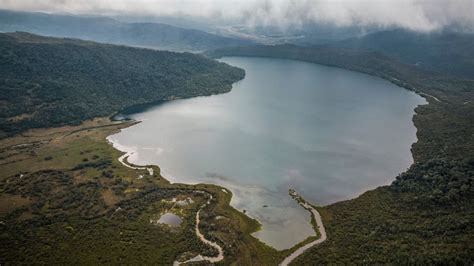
[(447, 51), (306, 35), (108, 30), (444, 51)]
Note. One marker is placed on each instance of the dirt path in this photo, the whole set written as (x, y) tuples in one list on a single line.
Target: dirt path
[(319, 223), (220, 255)]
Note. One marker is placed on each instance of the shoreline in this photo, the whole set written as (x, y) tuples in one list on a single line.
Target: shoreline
[(319, 229), (233, 202)]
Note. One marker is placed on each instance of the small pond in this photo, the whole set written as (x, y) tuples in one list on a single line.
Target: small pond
[(170, 219)]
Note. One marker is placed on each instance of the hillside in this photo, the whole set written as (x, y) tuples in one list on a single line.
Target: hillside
[(49, 82), (425, 215), (107, 30), (447, 52)]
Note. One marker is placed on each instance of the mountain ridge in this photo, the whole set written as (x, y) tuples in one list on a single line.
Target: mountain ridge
[(108, 30)]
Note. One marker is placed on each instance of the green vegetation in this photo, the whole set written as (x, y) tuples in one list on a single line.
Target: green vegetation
[(438, 182), (426, 215), (48, 82), (381, 227)]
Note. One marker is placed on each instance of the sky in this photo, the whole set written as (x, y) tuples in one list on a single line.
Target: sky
[(419, 15)]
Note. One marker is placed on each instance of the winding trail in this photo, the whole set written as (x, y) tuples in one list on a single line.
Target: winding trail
[(319, 223), (220, 256)]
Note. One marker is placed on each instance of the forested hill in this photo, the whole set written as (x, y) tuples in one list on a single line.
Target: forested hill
[(108, 30), (51, 82), (447, 52)]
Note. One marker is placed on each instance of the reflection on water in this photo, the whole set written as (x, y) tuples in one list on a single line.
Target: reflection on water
[(329, 133)]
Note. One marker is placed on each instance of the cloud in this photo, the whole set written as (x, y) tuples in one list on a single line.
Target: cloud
[(421, 15)]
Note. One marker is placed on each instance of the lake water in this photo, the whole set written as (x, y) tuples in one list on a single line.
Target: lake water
[(329, 133)]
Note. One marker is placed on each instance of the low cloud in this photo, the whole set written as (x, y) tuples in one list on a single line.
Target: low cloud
[(420, 15)]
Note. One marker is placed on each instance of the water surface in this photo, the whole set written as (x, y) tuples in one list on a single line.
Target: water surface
[(329, 133)]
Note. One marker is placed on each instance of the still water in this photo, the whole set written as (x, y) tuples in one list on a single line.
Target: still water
[(329, 133)]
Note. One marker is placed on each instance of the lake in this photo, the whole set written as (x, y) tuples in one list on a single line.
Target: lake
[(329, 133)]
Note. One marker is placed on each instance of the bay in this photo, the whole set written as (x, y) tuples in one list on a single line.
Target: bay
[(327, 132)]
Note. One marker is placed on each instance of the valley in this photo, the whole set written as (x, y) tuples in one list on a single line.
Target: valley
[(111, 154)]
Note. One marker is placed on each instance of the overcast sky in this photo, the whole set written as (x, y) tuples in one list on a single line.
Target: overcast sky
[(422, 15)]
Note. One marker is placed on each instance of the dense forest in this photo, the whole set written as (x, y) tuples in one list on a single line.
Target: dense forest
[(49, 82), (426, 215)]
